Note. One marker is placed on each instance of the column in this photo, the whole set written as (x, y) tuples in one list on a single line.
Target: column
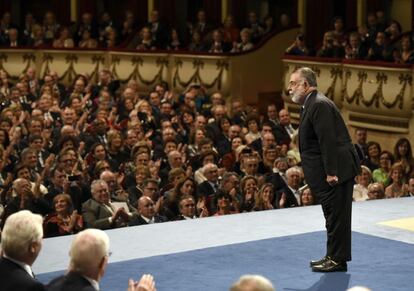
[(150, 7), (361, 12), (224, 9), (74, 10)]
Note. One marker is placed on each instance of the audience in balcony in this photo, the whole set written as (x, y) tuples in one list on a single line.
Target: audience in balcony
[(63, 40)]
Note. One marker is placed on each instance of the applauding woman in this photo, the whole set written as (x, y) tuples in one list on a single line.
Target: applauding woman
[(65, 220)]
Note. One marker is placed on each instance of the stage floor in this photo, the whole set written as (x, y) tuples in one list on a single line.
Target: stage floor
[(210, 253)]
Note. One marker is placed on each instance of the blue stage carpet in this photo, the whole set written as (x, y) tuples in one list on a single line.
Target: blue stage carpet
[(378, 263)]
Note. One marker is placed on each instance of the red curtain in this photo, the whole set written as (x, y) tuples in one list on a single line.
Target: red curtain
[(351, 14), (213, 11), (166, 8), (318, 20), (238, 8), (87, 6)]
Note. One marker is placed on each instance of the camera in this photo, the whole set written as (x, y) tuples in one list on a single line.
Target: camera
[(74, 178)]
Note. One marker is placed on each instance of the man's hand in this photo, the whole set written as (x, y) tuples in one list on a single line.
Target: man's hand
[(146, 283), (332, 180)]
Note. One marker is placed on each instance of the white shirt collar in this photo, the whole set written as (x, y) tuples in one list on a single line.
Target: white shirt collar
[(24, 266), (147, 220), (93, 282)]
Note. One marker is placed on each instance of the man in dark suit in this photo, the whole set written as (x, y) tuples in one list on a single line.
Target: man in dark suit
[(21, 243), (208, 189), (330, 164), (147, 214), (89, 254)]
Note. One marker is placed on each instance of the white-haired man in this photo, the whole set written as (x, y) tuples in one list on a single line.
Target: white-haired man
[(252, 283), (21, 243), (100, 212), (89, 255)]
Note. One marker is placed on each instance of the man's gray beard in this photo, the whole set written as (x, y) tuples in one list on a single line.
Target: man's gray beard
[(296, 98)]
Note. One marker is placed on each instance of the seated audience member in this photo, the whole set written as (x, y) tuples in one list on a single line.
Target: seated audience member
[(231, 33), (403, 154), (21, 242), (183, 187), (375, 191), (223, 203), (269, 25), (175, 42), (145, 40), (217, 44), (265, 198), (249, 190), (360, 192), (245, 44), (100, 212), (252, 283), (208, 189), (410, 187), (298, 47), (64, 220), (340, 37), (197, 44), (146, 211), (25, 199), (378, 50), (188, 209), (329, 48), (306, 197), (89, 255), (373, 155), (64, 40), (87, 41), (381, 175), (398, 187), (355, 50), (290, 195), (407, 52), (255, 27), (13, 39)]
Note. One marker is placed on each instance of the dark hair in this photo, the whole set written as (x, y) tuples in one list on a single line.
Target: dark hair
[(389, 154), (400, 142), (371, 143), (221, 194)]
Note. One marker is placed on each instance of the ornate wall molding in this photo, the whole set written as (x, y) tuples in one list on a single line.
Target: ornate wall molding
[(376, 97)]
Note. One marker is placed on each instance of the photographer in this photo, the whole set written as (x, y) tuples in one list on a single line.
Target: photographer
[(298, 47), (330, 48)]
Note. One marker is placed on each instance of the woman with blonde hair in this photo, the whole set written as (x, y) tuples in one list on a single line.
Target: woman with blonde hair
[(65, 220)]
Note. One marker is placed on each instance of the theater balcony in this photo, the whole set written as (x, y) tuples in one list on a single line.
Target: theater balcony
[(253, 76), (373, 95)]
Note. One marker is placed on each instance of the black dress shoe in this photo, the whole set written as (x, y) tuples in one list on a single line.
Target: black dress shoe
[(319, 262), (330, 266)]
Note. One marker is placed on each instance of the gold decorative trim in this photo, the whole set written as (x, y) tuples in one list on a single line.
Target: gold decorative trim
[(28, 58), (335, 73), (70, 73), (47, 59), (196, 77), (3, 59)]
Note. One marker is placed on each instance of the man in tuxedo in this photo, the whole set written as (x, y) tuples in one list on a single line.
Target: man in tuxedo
[(89, 254), (21, 243), (330, 164)]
